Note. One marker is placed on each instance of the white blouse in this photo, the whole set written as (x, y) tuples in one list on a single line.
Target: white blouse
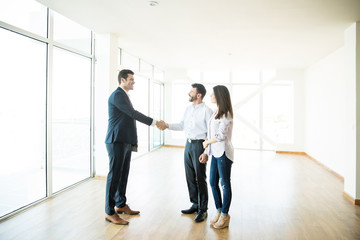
[(221, 130)]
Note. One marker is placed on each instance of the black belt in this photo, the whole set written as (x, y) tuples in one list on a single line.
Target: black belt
[(195, 140)]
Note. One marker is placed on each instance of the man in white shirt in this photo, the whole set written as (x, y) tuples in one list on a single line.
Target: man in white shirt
[(194, 124)]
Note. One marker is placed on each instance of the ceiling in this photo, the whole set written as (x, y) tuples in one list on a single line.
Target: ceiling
[(199, 34)]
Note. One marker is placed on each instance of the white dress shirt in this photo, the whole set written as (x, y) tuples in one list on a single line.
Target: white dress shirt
[(194, 122), (221, 130)]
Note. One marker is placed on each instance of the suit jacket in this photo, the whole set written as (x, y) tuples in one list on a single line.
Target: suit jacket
[(122, 119), (221, 130)]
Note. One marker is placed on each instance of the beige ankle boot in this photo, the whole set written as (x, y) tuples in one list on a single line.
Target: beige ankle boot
[(223, 222), (216, 218)]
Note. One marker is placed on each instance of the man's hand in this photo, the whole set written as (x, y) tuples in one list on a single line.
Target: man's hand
[(161, 125), (203, 158)]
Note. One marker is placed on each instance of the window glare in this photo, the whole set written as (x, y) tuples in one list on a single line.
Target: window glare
[(158, 74), (24, 103), (129, 61), (71, 33), (146, 69), (71, 118), (264, 115), (31, 16), (22, 113)]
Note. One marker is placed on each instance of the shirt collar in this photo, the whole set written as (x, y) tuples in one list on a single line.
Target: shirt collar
[(198, 105)]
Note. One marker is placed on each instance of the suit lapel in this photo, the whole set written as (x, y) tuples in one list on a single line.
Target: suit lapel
[(126, 95)]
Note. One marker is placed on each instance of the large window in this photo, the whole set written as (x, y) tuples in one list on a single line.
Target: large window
[(28, 15), (147, 98), (262, 104), (139, 97), (45, 103), (278, 112), (22, 121), (180, 100), (247, 117), (71, 34), (157, 109), (70, 119)]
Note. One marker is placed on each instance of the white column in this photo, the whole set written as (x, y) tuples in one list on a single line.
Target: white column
[(352, 73)]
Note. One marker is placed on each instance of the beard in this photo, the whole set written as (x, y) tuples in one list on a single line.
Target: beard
[(191, 99)]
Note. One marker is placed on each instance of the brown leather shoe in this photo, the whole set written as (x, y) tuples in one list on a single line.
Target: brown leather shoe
[(115, 219), (126, 209)]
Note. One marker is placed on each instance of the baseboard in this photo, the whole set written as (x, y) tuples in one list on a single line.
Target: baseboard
[(174, 146), (313, 159), (329, 169), (351, 199), (100, 177), (291, 152)]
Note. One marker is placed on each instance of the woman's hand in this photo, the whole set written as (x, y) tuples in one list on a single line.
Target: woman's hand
[(203, 158), (205, 144), (208, 141)]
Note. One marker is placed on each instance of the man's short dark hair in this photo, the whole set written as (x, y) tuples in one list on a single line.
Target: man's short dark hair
[(124, 74), (200, 89)]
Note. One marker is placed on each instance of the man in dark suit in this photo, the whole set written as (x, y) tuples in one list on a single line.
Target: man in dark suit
[(121, 137)]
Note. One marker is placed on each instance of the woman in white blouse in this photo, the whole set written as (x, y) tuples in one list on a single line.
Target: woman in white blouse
[(220, 148)]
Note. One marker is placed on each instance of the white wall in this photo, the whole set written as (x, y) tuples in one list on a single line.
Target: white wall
[(330, 112), (352, 73), (332, 89)]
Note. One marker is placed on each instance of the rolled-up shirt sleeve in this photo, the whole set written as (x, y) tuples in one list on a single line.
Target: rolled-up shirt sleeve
[(223, 129), (177, 126)]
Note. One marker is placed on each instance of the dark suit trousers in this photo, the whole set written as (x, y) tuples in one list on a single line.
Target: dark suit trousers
[(119, 166), (196, 175)]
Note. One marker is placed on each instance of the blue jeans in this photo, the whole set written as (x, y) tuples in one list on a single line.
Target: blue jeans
[(220, 169)]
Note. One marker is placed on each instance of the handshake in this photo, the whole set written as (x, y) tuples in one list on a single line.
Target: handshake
[(161, 125)]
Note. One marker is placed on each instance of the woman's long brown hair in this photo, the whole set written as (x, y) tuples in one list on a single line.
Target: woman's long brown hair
[(223, 100)]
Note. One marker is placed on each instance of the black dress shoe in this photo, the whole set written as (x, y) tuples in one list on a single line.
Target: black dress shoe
[(189, 211), (201, 216)]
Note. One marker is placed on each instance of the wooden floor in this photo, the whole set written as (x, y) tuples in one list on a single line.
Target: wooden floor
[(275, 196)]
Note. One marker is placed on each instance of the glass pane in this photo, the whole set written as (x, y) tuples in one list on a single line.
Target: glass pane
[(157, 109), (162, 111), (216, 76), (158, 74), (22, 121), (245, 76), (129, 61), (245, 133), (139, 99), (71, 33), (26, 14), (278, 113), (71, 118), (244, 137), (146, 69), (180, 100)]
